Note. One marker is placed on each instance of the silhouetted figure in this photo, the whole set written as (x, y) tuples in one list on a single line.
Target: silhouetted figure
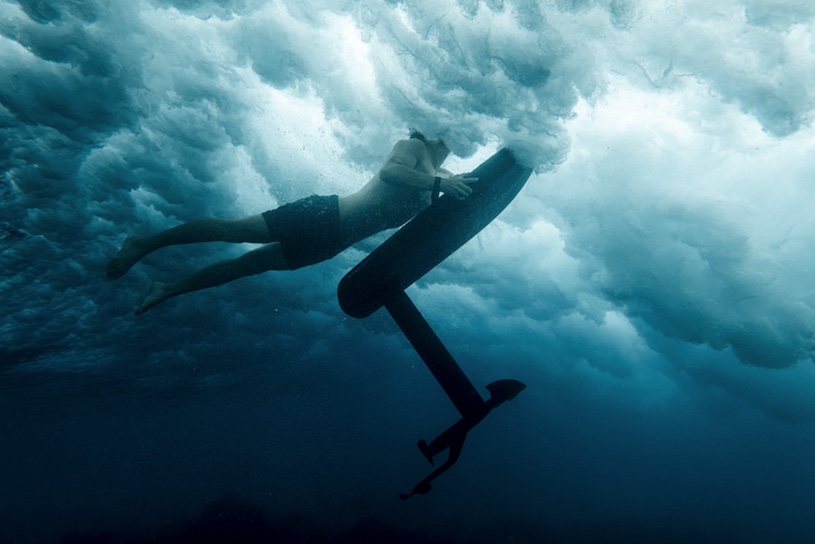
[(310, 230)]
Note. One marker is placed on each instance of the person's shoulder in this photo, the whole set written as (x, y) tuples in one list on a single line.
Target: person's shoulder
[(412, 147)]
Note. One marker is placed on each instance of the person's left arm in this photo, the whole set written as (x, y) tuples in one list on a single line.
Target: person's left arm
[(400, 168)]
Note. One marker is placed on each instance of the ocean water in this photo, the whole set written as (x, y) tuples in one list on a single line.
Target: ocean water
[(651, 284)]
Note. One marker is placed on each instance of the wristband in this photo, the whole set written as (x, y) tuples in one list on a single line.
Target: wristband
[(436, 189)]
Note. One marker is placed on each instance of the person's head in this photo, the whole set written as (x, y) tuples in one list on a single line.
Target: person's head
[(437, 149)]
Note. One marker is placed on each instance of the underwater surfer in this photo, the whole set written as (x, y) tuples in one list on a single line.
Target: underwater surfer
[(309, 230)]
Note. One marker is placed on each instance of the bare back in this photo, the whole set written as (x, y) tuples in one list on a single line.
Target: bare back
[(378, 205)]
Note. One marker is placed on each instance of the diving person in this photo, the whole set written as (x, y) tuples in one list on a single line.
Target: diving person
[(309, 230)]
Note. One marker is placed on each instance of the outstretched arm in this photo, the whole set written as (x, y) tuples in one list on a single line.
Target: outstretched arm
[(403, 167)]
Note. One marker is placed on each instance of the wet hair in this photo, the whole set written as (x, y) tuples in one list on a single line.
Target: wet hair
[(416, 135)]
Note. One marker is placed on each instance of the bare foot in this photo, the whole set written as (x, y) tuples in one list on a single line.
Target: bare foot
[(125, 258), (159, 292)]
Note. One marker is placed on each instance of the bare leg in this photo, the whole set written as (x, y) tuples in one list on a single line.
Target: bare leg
[(251, 229), (268, 257)]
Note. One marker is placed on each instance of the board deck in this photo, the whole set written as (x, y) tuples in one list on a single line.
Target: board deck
[(432, 236)]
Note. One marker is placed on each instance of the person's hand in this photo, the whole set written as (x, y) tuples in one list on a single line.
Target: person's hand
[(458, 186)]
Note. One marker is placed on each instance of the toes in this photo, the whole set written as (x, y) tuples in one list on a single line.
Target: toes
[(158, 294), (124, 259)]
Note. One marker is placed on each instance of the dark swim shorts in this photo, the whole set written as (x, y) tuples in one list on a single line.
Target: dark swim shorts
[(307, 229)]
